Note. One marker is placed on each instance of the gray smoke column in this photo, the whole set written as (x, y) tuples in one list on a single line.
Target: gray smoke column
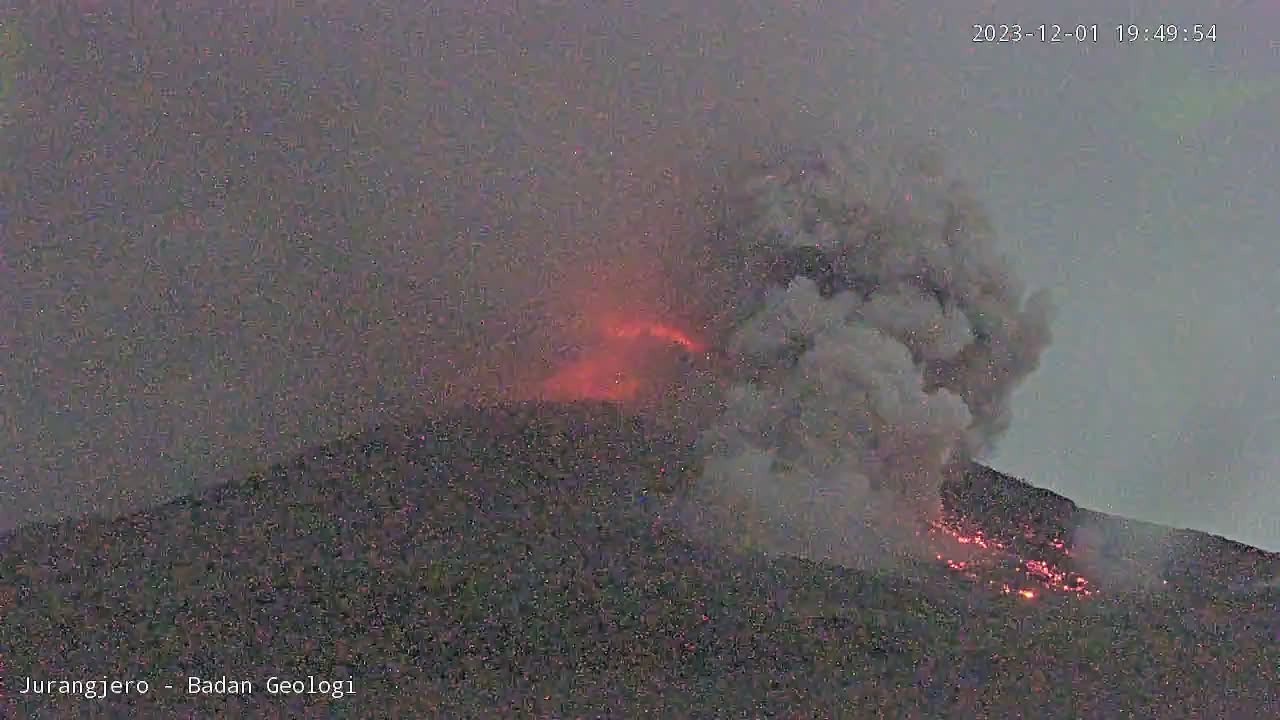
[(879, 347)]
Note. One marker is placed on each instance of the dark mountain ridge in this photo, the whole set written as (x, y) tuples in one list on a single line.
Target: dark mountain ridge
[(514, 562)]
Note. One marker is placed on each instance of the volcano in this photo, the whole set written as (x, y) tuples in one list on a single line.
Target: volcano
[(519, 561)]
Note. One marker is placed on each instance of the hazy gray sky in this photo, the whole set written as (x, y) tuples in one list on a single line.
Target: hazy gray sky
[(235, 229)]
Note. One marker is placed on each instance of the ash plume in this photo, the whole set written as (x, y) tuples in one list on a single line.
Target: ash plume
[(879, 347)]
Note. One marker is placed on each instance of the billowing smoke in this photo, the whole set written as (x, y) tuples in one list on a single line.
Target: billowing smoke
[(879, 350)]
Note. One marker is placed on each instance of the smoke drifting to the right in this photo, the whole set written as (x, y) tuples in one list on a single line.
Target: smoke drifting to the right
[(880, 350)]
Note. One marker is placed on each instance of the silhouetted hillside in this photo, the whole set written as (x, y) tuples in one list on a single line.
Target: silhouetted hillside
[(514, 562)]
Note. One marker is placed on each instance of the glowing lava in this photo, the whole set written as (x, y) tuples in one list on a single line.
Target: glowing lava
[(998, 554), (619, 363)]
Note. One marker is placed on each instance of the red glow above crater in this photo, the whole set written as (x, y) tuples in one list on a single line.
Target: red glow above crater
[(619, 363), (598, 375), (656, 331)]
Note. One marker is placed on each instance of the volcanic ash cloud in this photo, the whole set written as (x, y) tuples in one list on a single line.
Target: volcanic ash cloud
[(882, 349)]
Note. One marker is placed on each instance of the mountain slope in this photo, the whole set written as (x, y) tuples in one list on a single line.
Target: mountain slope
[(513, 562)]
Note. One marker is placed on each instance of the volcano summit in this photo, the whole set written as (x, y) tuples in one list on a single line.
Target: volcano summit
[(521, 561)]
